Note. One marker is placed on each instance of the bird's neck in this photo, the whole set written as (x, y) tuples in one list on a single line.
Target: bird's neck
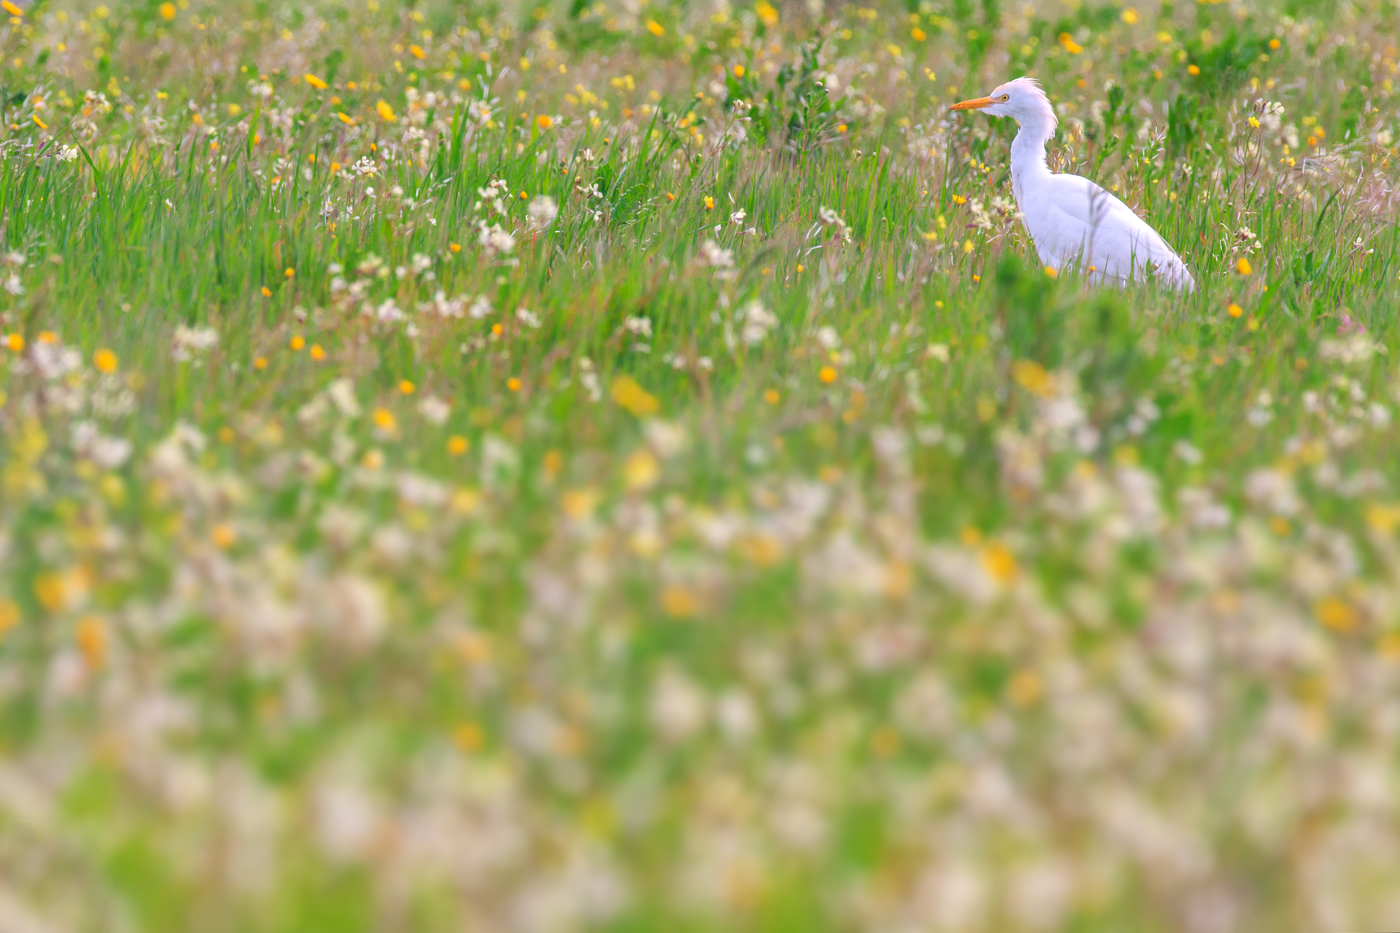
[(1028, 152)]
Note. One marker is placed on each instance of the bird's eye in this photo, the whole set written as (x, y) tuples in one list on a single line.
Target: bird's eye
[(1006, 97)]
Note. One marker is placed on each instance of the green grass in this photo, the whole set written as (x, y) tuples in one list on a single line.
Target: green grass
[(958, 595)]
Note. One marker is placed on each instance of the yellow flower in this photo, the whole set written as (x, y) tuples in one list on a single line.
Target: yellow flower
[(297, 342), (91, 636), (1274, 44), (48, 336), (771, 396), (9, 616), (347, 120), (1072, 47), (1130, 16), (266, 292), (884, 742), (1024, 688), (464, 501), (641, 470), (11, 8), (578, 503), (406, 387), (468, 737), (513, 384), (260, 363), (318, 352), (51, 589), (679, 602), (386, 113), (1243, 267), (39, 123), (457, 445), (655, 28), (384, 420), (738, 71), (1051, 271), (167, 11), (1193, 70), (544, 121), (1383, 518), (1337, 614), (709, 203), (627, 393), (105, 361), (827, 375), (15, 342), (224, 536), (417, 52), (1032, 377), (999, 562), (1234, 310)]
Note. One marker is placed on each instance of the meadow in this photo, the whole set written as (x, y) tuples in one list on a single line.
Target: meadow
[(549, 466)]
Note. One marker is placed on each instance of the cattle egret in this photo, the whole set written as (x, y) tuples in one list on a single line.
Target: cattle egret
[(1072, 220)]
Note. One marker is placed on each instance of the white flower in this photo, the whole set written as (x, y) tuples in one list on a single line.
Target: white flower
[(541, 210), (388, 312), (640, 326), (1187, 452), (665, 438), (191, 341), (830, 218), (828, 338), (527, 317), (716, 257), (481, 306), (13, 285), (678, 707), (341, 392), (758, 321), (67, 153), (434, 409), (494, 240), (1272, 490)]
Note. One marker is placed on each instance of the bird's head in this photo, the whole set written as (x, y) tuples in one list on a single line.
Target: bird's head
[(1021, 98)]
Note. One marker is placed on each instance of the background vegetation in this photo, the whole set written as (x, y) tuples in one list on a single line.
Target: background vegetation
[(545, 467)]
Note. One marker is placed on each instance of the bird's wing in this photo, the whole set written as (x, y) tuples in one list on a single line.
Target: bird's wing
[(1080, 221)]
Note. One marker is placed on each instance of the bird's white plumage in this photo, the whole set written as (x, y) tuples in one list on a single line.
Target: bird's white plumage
[(1072, 221)]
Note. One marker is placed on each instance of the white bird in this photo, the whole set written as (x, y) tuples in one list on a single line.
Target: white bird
[(1072, 220)]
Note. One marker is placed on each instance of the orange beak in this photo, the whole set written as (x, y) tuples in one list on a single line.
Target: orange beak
[(977, 103)]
